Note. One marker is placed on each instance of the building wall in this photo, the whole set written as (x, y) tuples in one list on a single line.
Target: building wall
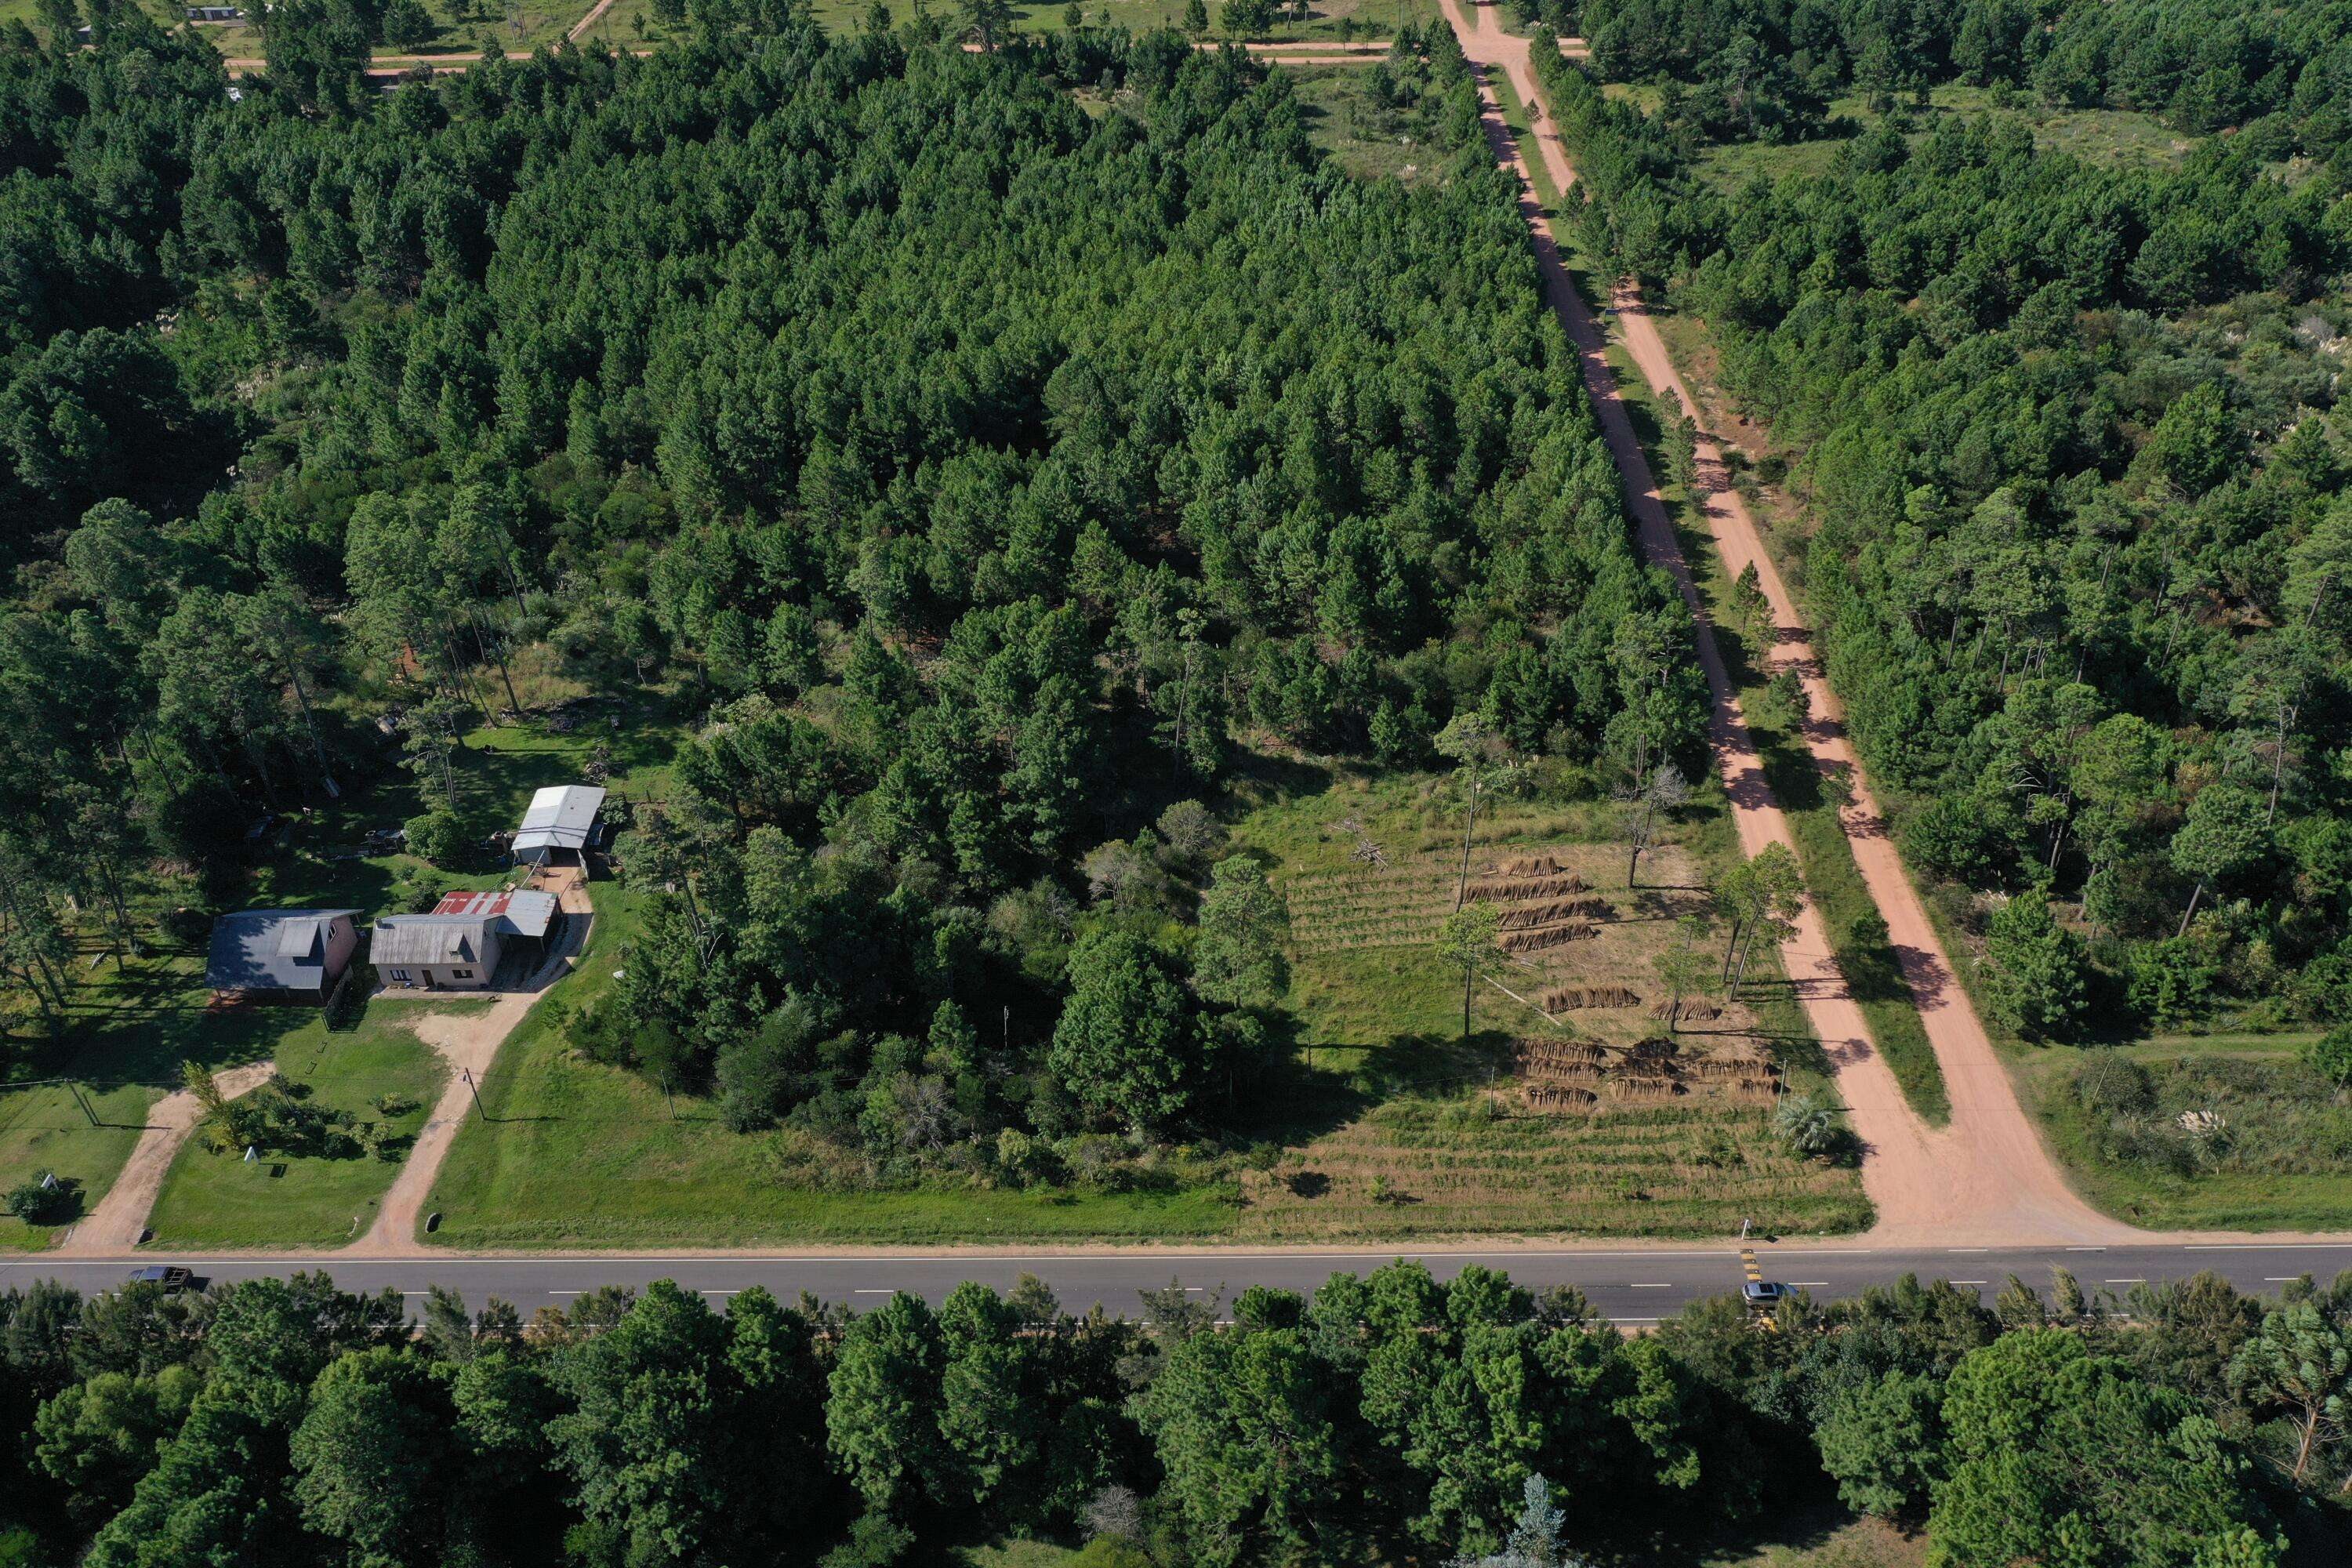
[(343, 937), (448, 976)]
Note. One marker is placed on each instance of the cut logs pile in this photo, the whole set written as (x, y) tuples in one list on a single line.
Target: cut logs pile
[(1694, 1011), (1542, 904), (1570, 998), (1575, 1074), (1561, 1075), (1541, 937), (1742, 1070)]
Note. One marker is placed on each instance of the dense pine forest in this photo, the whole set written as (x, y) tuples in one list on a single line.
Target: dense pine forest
[(1386, 1419), (991, 451), (2067, 429)]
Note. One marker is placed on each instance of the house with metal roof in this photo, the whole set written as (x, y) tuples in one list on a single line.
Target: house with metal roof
[(437, 952), (560, 828), (291, 955)]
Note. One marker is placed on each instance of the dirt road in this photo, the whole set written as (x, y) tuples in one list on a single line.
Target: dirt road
[(120, 1218), (1987, 1175), (468, 1044)]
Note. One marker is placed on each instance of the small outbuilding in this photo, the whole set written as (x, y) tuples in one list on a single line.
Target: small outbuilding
[(437, 951), (561, 826), (281, 955)]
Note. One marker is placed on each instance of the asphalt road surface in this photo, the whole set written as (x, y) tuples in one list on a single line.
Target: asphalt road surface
[(1631, 1287)]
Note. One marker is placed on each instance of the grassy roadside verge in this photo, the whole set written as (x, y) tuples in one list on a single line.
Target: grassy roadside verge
[(1856, 931)]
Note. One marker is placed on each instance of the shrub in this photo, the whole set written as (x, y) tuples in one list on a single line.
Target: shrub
[(438, 837), (37, 1204), (2330, 1056), (1806, 1125)]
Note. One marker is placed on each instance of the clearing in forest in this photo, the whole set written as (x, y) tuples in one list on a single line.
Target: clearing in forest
[(1398, 1127)]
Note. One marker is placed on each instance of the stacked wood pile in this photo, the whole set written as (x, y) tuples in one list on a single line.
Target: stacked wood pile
[(1551, 911), (1542, 937), (1576, 1075), (1500, 890), (1569, 998), (1741, 1069), (1694, 1011), (1538, 866), (1553, 1058)]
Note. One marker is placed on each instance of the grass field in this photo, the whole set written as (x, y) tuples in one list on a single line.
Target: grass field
[(635, 1170), (1377, 1122), (221, 1200), (2113, 138), (1367, 139), (2281, 1161)]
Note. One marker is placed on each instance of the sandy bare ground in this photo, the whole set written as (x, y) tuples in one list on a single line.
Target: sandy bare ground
[(469, 1044), (120, 1218), (1987, 1175)]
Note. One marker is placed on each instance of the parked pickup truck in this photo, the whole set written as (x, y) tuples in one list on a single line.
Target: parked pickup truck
[(171, 1277)]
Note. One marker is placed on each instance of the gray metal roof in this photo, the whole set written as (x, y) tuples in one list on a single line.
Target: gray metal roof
[(515, 911), (561, 818), (429, 939), (270, 950)]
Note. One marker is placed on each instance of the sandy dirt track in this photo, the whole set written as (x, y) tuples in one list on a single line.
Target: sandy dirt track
[(120, 1217), (1987, 1175), (467, 1045)]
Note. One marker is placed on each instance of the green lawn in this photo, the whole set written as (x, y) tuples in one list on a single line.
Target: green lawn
[(222, 1200), (127, 1033), (633, 1173)]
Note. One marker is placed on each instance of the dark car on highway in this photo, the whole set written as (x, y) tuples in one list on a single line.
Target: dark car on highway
[(170, 1276)]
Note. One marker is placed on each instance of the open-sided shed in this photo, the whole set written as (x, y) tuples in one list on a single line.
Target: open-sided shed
[(560, 825)]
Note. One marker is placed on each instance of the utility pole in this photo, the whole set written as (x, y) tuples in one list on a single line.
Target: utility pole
[(474, 1089)]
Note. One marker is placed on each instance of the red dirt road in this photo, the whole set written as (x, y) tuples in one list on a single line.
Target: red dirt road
[(1987, 1176)]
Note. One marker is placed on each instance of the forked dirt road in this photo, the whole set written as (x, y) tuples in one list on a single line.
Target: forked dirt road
[(115, 1226), (1985, 1177), (468, 1044)]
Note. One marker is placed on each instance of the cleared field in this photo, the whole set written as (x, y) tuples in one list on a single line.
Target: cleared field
[(283, 1199), (2115, 137), (1399, 1128), (1366, 137)]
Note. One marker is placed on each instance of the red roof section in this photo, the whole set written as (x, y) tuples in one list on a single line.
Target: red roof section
[(484, 905)]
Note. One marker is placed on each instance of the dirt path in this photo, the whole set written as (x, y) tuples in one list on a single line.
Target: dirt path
[(468, 1044), (120, 1218), (579, 30), (1987, 1175)]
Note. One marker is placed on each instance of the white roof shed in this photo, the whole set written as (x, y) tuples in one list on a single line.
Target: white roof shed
[(562, 816)]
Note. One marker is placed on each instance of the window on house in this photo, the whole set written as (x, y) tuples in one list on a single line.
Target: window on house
[(461, 974), (400, 976)]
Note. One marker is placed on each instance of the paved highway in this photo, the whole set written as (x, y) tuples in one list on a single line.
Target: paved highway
[(1633, 1287)]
